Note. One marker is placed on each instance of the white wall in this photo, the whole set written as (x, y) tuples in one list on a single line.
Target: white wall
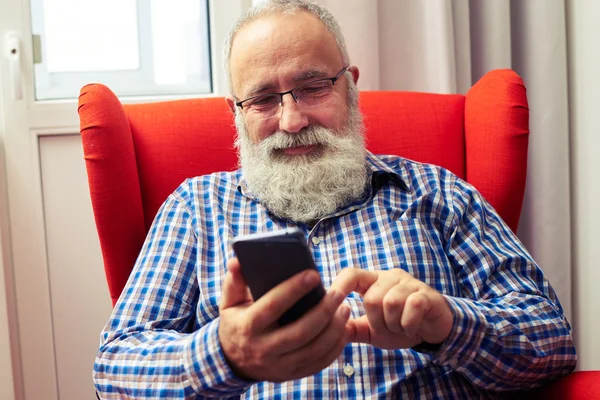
[(584, 87), (6, 373), (80, 302)]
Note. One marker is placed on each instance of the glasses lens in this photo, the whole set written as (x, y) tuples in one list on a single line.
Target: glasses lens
[(314, 93), (265, 106)]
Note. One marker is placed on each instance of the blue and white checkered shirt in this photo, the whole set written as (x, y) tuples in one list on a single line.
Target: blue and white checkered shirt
[(509, 329)]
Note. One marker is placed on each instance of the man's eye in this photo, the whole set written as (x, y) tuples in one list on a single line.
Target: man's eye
[(265, 101), (316, 88)]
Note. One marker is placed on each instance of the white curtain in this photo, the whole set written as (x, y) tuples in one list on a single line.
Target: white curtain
[(445, 46)]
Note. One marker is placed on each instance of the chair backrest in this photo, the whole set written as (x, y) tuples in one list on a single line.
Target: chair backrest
[(137, 154)]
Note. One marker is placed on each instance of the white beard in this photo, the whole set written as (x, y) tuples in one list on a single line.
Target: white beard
[(305, 188)]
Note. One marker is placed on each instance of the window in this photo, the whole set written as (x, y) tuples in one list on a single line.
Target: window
[(136, 47)]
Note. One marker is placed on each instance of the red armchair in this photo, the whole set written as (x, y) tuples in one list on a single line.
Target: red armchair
[(137, 154)]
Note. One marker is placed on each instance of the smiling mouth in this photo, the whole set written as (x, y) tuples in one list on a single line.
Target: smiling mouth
[(299, 150)]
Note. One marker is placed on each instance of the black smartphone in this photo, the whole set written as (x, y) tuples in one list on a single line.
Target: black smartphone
[(269, 258)]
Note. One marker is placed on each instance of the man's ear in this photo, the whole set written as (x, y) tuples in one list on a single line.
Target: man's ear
[(355, 73), (231, 103)]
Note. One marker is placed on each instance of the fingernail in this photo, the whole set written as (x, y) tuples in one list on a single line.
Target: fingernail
[(349, 333)]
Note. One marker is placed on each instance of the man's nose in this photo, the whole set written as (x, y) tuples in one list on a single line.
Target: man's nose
[(292, 117)]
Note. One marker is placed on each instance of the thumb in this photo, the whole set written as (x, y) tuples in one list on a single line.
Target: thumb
[(235, 289)]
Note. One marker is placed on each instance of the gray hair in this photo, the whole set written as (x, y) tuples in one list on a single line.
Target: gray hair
[(286, 7)]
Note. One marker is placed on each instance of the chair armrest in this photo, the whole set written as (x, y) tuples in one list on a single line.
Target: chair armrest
[(581, 385)]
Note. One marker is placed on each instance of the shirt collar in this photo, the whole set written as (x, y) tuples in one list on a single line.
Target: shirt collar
[(380, 170)]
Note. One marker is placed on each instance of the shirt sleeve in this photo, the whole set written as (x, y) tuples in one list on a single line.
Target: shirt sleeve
[(509, 329), (152, 347)]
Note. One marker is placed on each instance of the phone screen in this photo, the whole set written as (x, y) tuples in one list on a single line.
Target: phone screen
[(269, 258)]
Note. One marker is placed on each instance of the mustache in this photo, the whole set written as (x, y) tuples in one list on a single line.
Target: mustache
[(310, 135)]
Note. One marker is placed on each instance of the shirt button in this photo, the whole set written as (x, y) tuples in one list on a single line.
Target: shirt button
[(315, 240), (348, 370)]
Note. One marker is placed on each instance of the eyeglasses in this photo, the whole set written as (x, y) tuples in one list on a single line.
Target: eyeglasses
[(310, 94)]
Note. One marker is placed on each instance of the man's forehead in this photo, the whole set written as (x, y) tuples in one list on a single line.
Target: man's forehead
[(298, 44)]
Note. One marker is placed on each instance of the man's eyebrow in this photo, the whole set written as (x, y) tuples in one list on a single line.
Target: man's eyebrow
[(257, 89), (310, 74)]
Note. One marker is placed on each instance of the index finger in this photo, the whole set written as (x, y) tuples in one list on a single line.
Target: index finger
[(353, 280)]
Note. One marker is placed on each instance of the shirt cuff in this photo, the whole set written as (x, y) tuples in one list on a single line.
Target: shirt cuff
[(207, 367), (464, 341)]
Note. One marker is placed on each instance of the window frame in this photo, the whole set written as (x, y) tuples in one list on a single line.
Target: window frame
[(139, 83)]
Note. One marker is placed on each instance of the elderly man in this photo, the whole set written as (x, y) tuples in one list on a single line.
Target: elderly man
[(430, 295)]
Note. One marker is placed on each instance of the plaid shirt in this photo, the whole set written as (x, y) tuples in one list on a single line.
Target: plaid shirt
[(509, 329)]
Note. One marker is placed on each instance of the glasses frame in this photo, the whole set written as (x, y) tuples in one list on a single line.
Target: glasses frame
[(240, 104)]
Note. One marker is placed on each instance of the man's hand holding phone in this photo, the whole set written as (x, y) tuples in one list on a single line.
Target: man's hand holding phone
[(293, 329), (255, 344)]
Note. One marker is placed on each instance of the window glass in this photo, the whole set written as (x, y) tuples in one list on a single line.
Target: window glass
[(135, 47)]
